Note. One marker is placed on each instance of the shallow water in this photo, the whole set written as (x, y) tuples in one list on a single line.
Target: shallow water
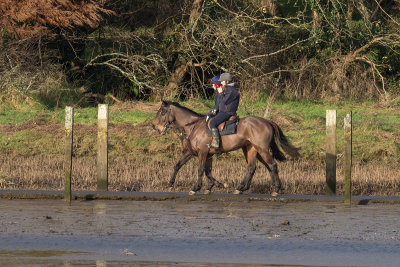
[(109, 233)]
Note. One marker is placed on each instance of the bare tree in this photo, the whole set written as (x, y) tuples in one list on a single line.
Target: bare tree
[(181, 64)]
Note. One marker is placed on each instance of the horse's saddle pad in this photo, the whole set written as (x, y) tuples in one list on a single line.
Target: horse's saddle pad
[(225, 128)]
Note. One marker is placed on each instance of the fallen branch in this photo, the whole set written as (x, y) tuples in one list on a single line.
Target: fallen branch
[(114, 98)]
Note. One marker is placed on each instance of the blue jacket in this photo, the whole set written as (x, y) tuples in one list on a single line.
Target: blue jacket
[(228, 100), (216, 101)]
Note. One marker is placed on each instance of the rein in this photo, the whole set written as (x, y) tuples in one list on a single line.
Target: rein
[(167, 125), (193, 122), (186, 137), (183, 136)]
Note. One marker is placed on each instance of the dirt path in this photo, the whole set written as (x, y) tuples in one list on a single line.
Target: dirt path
[(52, 232)]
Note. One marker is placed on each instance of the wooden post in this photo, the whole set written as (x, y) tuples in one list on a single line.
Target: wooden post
[(69, 134), (348, 139), (330, 186), (102, 148)]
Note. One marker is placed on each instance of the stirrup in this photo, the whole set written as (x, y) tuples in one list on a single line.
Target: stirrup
[(211, 146)]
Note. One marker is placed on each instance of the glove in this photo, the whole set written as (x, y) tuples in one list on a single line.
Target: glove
[(210, 114)]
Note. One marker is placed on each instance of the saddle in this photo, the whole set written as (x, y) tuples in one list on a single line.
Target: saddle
[(226, 127)]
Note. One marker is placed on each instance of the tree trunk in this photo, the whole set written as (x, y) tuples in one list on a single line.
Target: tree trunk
[(272, 7), (350, 9), (317, 22), (181, 64), (363, 10), (195, 13), (177, 76)]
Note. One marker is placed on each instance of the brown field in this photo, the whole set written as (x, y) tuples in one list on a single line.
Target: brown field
[(298, 177), (142, 160)]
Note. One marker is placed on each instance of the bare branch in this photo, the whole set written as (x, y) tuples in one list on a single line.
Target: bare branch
[(276, 52), (141, 70)]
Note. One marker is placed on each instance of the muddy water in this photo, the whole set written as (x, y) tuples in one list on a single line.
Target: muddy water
[(109, 233)]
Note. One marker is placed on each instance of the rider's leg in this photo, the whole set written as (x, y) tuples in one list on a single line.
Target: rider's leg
[(217, 120)]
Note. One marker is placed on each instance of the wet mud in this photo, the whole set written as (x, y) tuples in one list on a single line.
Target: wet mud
[(197, 233)]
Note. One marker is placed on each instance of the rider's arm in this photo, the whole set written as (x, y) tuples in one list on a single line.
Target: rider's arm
[(230, 100)]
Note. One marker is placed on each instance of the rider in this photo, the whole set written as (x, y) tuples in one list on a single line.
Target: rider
[(226, 105)]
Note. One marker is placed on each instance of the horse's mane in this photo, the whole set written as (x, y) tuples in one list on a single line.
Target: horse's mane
[(185, 108)]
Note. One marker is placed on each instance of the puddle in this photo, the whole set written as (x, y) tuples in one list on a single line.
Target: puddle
[(109, 233)]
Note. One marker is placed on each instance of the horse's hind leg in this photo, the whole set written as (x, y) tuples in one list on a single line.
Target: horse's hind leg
[(185, 158), (250, 154), (269, 162), (211, 179)]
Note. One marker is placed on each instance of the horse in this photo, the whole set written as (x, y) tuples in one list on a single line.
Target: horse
[(256, 137)]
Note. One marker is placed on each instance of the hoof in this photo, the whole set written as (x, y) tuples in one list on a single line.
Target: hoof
[(207, 192), (237, 192), (274, 194), (192, 193), (224, 185), (170, 185)]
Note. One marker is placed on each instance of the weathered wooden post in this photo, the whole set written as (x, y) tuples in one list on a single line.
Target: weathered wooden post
[(69, 137), (102, 148), (348, 150), (330, 186)]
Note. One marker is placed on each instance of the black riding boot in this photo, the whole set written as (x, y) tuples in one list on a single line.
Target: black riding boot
[(216, 139)]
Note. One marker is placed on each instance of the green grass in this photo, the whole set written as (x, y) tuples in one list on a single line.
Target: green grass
[(133, 117), (30, 142), (375, 129), (81, 115), (9, 116), (84, 116)]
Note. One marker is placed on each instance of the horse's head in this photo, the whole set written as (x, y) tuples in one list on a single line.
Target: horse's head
[(163, 118)]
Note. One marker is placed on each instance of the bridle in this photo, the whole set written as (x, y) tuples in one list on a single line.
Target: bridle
[(168, 123), (183, 136)]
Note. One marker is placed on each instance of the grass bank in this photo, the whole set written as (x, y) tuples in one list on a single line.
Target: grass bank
[(31, 148)]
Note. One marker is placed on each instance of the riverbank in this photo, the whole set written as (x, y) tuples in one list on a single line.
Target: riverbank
[(185, 197)]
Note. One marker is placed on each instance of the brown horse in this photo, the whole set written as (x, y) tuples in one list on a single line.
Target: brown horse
[(255, 136)]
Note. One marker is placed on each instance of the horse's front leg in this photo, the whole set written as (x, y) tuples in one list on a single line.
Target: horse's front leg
[(187, 155), (200, 173), (211, 180)]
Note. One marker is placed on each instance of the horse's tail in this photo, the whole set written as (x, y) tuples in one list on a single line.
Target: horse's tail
[(284, 143)]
